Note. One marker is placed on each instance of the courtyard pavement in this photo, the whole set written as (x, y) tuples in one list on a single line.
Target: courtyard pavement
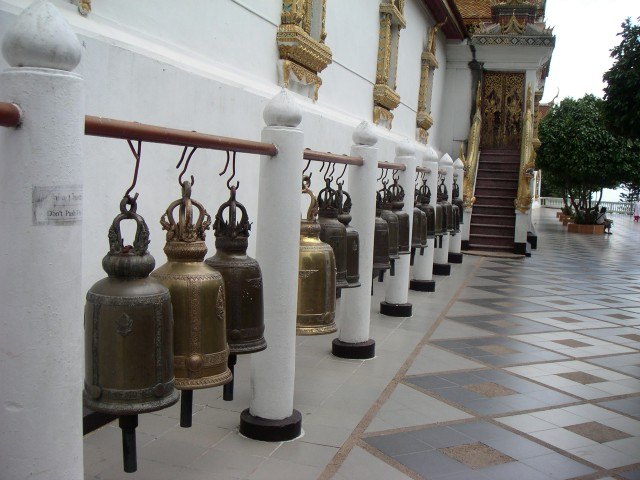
[(513, 369)]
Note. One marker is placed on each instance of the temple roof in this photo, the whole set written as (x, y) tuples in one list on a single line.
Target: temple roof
[(476, 11)]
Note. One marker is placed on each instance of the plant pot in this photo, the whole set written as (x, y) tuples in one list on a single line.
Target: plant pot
[(558, 214), (588, 229), (566, 221)]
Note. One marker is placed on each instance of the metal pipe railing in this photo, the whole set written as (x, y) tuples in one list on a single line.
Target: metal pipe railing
[(109, 128), (423, 170), (316, 156), (10, 115), (392, 166)]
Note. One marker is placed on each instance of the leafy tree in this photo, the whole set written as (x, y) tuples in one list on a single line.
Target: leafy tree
[(632, 194), (622, 93), (580, 155)]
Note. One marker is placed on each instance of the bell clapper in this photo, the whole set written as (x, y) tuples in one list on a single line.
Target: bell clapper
[(128, 424), (227, 389), (186, 408), (413, 256)]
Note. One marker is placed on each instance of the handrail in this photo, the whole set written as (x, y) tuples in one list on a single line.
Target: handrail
[(107, 127), (473, 154), (10, 115), (332, 158), (392, 166), (527, 158)]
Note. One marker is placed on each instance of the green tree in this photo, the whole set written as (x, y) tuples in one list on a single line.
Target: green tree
[(622, 92), (580, 155)]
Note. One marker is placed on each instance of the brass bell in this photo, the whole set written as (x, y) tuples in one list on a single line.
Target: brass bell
[(353, 238), (128, 334), (396, 194), (392, 220), (434, 227), (242, 279), (446, 206), (456, 198), (198, 298), (381, 261), (419, 230), (316, 276), (333, 232)]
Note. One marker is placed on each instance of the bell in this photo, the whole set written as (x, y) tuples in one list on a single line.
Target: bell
[(392, 221), (242, 279), (443, 194), (316, 276), (396, 193), (332, 231), (198, 297), (353, 239), (128, 334), (456, 198), (380, 245), (419, 230), (440, 221), (434, 222)]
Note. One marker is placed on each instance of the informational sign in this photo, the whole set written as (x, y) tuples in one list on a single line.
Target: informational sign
[(57, 205)]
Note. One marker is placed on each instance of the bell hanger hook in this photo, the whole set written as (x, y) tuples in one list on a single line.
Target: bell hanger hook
[(186, 164), (233, 171), (304, 172), (338, 182), (137, 153)]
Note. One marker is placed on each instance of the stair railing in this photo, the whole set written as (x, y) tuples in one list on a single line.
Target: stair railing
[(527, 158), (473, 154)]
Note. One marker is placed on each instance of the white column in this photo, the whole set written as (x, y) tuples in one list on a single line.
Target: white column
[(277, 250), (455, 243), (422, 279), (397, 289), (41, 339), (441, 256), (356, 302)]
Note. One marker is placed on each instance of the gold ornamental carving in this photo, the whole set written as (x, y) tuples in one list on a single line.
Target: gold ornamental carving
[(472, 156), (300, 40), (527, 158), (428, 64), (385, 97), (502, 110)]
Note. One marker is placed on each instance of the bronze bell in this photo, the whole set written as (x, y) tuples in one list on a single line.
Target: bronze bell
[(419, 230), (353, 239), (392, 221), (333, 232), (198, 297), (456, 220), (443, 194), (242, 279), (396, 194), (316, 276), (434, 222), (128, 334), (456, 198), (381, 261)]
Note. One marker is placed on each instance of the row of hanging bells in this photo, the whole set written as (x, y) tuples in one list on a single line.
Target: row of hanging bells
[(147, 334)]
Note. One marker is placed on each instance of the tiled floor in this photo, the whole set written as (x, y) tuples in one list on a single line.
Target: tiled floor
[(514, 369)]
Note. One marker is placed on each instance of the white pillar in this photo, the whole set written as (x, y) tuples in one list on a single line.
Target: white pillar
[(41, 339), (422, 279), (271, 415), (455, 243), (441, 264), (353, 339), (397, 289)]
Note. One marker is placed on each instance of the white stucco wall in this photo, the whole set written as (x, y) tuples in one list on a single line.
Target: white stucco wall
[(211, 67)]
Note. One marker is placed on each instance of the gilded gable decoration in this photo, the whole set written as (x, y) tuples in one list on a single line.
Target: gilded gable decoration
[(303, 53), (385, 97), (428, 64)]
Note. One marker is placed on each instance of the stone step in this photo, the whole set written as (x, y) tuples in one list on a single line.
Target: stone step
[(495, 240), (490, 181), (484, 219), (490, 248), (493, 173), (502, 166), (502, 200), (493, 210), (499, 191), (493, 229)]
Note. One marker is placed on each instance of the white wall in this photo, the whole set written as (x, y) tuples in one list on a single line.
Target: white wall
[(211, 67)]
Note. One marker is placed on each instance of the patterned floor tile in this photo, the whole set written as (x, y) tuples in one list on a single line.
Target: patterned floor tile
[(628, 336), (504, 324), (499, 351), (629, 364), (490, 392), (628, 406), (565, 320), (573, 344), (477, 450), (581, 379), (626, 317)]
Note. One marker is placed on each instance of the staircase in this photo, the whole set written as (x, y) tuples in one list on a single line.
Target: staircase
[(493, 220)]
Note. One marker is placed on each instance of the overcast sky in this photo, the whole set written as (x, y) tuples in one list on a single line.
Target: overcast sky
[(585, 33)]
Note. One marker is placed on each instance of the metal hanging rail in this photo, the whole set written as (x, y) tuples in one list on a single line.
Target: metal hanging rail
[(392, 166), (423, 170), (332, 158), (10, 115), (107, 127)]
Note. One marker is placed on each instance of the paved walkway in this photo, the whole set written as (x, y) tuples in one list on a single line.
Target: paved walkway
[(514, 369)]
